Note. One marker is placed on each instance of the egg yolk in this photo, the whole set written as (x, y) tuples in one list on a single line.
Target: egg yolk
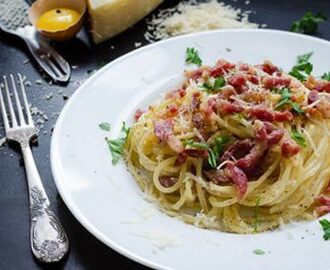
[(57, 19)]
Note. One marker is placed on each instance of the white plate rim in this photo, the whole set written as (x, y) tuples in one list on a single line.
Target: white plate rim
[(74, 209)]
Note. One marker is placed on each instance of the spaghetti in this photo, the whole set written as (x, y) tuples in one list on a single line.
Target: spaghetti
[(237, 148)]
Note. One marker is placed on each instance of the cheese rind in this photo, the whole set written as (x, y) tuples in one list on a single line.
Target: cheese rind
[(111, 17)]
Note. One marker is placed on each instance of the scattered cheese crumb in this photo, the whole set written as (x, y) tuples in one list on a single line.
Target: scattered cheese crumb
[(159, 239), (2, 141), (38, 81), (190, 17), (137, 44)]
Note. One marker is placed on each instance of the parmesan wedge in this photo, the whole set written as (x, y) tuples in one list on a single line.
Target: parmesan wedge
[(111, 17)]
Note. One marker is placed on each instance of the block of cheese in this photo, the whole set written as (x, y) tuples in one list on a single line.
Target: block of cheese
[(111, 17)]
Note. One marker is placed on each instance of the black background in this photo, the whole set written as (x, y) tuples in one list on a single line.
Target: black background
[(86, 251)]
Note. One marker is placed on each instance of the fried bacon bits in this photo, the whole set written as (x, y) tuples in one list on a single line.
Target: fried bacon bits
[(262, 96)]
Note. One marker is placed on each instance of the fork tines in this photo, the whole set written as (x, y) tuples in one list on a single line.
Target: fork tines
[(9, 114)]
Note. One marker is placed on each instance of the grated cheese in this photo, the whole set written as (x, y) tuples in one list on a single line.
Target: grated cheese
[(190, 16)]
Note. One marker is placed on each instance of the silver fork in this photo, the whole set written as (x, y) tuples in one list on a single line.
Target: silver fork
[(49, 242)]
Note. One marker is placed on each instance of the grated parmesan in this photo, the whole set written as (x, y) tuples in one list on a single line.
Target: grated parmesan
[(190, 16)]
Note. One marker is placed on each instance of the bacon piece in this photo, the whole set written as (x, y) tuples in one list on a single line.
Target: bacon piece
[(197, 153), (221, 68), (275, 136), (250, 161), (267, 132), (226, 92), (138, 114), (172, 110), (177, 93), (175, 144), (238, 81), (163, 129), (254, 79), (325, 202), (324, 108), (323, 209), (268, 67), (262, 113), (283, 116), (322, 86), (195, 102), (216, 176), (198, 121), (289, 148), (239, 179), (244, 67), (272, 81), (168, 181), (237, 150), (225, 107), (262, 132), (180, 159), (312, 96), (194, 74)]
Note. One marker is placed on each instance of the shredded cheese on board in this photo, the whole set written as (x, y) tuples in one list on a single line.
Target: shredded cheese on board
[(191, 16)]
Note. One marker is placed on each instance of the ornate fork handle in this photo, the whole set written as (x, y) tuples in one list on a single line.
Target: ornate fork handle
[(49, 242)]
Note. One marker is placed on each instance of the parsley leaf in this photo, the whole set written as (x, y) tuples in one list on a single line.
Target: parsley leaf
[(296, 107), (326, 228), (105, 126), (212, 159), (117, 146), (192, 57), (326, 76), (217, 150), (192, 144), (259, 251), (220, 143), (256, 215), (304, 57), (303, 67), (308, 24), (213, 152), (298, 137), (219, 82), (286, 100)]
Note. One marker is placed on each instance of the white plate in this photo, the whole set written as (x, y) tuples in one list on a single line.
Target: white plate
[(106, 199)]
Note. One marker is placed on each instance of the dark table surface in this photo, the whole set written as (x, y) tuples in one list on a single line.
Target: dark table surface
[(86, 251)]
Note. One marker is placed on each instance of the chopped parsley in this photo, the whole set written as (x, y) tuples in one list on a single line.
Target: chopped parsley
[(259, 251), (192, 57), (308, 24), (256, 215), (117, 146), (326, 228), (298, 137), (212, 159), (218, 83), (303, 67), (105, 126), (192, 144), (213, 152), (217, 150), (286, 100), (326, 76)]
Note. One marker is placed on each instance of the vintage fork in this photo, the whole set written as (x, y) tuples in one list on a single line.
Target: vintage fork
[(49, 242)]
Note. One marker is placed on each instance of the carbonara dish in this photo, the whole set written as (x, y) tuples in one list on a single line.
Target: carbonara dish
[(238, 148)]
